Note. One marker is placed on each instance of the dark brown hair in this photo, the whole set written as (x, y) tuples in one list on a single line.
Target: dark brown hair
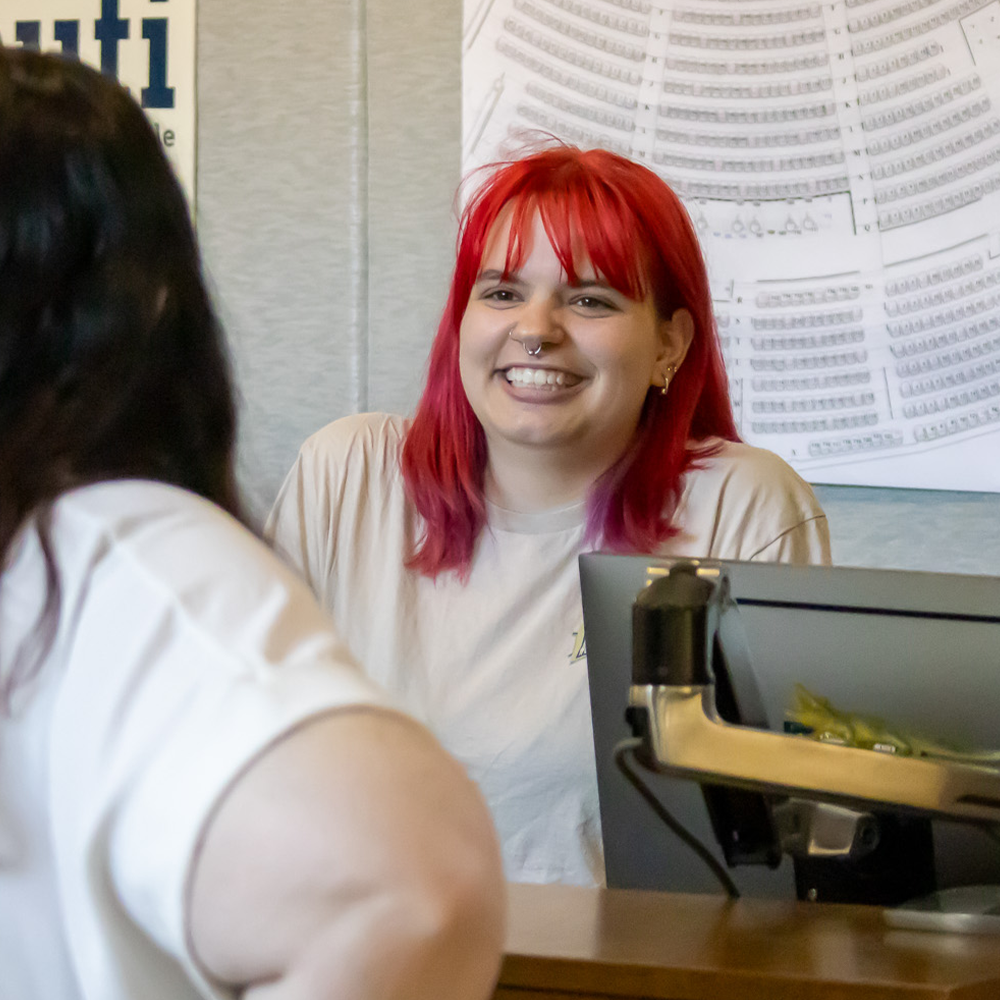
[(112, 361)]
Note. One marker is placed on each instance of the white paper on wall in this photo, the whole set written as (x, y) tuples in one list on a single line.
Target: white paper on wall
[(149, 45), (841, 163)]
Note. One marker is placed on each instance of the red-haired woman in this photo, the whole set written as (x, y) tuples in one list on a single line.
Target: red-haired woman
[(575, 399)]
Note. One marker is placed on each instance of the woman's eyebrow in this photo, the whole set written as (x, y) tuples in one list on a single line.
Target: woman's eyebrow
[(593, 283), (496, 275)]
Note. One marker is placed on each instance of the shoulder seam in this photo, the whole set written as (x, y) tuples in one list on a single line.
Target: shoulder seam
[(787, 531)]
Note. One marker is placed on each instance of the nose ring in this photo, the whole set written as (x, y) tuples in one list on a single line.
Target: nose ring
[(530, 351)]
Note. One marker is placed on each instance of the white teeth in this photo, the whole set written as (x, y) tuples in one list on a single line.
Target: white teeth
[(535, 377)]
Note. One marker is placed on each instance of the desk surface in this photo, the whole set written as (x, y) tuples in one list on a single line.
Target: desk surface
[(565, 942)]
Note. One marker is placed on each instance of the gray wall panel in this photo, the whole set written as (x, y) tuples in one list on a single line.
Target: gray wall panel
[(279, 216), (414, 119), (914, 529)]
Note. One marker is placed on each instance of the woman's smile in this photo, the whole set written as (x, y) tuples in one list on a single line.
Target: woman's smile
[(548, 380)]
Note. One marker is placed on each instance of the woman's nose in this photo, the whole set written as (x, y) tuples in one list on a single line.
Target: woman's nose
[(537, 323)]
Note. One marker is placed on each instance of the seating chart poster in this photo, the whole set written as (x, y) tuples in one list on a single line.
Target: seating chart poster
[(841, 163), (149, 45)]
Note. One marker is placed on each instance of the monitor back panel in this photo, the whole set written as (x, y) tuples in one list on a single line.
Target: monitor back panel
[(921, 650)]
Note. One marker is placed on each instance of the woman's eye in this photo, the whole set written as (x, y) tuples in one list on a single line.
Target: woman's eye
[(500, 295), (591, 303)]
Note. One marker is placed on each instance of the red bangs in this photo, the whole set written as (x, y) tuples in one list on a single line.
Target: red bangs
[(585, 218)]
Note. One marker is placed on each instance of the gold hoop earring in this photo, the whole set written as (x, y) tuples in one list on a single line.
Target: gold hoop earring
[(667, 376)]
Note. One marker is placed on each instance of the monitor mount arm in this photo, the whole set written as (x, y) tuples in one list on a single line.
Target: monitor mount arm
[(695, 724)]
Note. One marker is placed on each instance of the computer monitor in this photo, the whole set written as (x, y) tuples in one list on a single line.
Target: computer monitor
[(921, 650)]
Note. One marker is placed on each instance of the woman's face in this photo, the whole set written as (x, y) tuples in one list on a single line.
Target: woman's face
[(549, 365)]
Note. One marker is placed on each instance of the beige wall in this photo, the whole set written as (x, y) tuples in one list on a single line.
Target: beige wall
[(329, 148)]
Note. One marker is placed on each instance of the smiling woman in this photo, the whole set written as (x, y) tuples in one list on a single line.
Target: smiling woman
[(576, 399)]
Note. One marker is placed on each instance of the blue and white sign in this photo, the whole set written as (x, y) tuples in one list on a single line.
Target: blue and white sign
[(149, 45)]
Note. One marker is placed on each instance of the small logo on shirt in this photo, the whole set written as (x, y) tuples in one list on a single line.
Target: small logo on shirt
[(579, 645)]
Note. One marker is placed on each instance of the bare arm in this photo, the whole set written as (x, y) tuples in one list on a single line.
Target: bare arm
[(354, 860)]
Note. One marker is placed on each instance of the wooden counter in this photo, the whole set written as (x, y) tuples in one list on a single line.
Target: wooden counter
[(566, 943)]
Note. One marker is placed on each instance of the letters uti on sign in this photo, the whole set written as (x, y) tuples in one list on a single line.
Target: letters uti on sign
[(148, 45)]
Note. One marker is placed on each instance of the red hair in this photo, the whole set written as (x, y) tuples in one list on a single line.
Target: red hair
[(639, 238)]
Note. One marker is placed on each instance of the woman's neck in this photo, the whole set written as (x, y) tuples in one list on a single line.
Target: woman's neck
[(530, 482)]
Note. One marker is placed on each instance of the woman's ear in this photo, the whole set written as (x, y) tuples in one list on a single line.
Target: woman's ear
[(676, 334)]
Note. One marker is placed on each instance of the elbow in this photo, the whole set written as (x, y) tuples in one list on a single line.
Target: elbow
[(458, 917), (436, 934), (437, 926)]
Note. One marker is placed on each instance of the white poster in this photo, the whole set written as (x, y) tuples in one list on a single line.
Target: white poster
[(841, 162), (149, 45)]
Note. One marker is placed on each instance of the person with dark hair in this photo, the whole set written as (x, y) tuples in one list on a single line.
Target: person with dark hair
[(576, 399), (200, 792)]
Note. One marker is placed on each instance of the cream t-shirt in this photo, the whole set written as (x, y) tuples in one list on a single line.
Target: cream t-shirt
[(496, 666)]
